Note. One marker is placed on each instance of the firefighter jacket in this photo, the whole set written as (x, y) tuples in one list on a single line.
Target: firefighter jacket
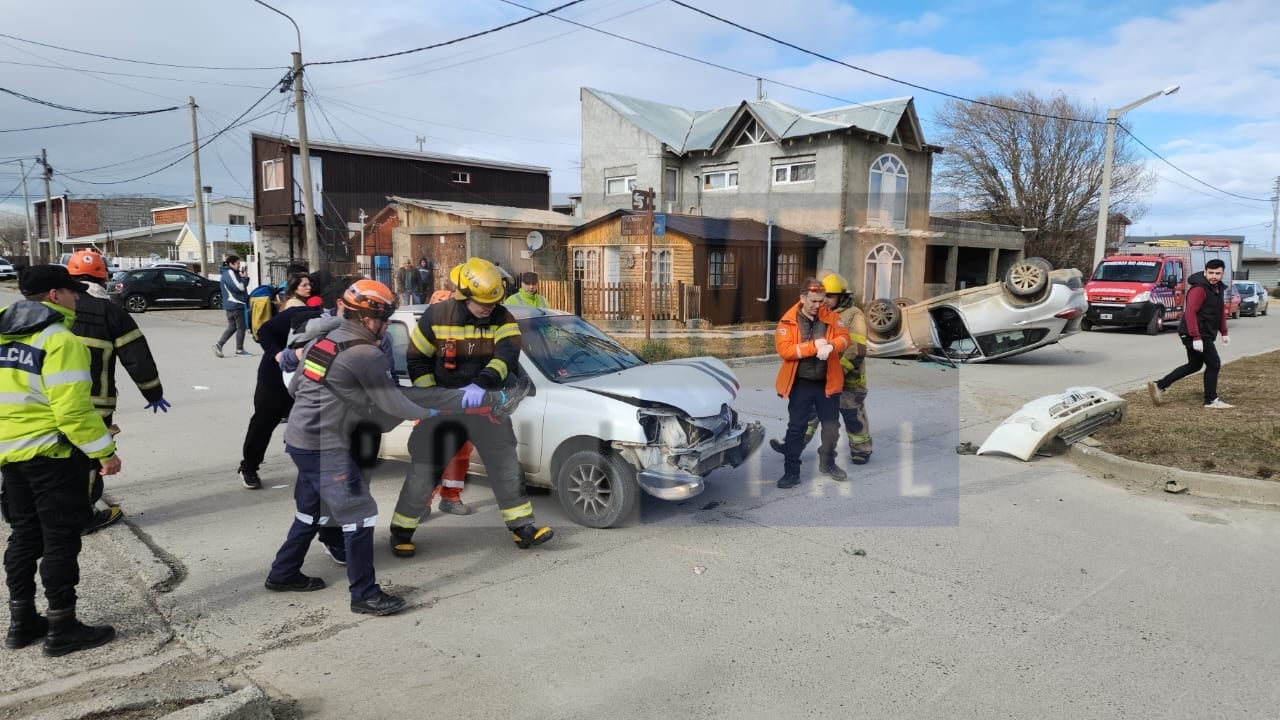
[(45, 408), (853, 359), (795, 344), (356, 387), (109, 331), (452, 348)]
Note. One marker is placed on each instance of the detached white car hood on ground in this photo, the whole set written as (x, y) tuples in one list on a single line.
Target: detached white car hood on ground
[(1071, 416), (701, 387)]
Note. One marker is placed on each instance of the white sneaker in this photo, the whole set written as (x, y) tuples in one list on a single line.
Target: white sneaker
[(1157, 395), (1217, 404)]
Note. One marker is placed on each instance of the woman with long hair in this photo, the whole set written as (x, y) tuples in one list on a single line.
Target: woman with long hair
[(297, 292)]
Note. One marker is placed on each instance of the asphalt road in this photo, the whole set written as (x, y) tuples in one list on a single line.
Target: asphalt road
[(932, 585)]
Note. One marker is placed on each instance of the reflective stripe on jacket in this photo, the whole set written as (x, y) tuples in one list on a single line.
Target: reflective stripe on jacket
[(792, 348), (45, 406), (449, 346), (109, 331)]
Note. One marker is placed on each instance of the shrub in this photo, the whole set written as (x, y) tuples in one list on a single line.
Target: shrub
[(656, 351)]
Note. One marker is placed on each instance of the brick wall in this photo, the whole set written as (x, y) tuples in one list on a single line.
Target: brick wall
[(175, 215), (82, 218)]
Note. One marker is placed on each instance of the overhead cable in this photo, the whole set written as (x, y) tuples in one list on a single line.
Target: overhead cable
[(454, 41), (57, 106), (139, 62), (1184, 172)]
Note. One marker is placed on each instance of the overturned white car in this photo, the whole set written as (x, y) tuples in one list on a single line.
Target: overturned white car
[(600, 424), (1035, 306)]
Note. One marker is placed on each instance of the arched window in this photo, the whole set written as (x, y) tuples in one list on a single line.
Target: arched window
[(887, 193), (661, 267), (586, 265), (883, 275)]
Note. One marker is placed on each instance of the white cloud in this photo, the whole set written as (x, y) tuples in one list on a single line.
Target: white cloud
[(928, 23)]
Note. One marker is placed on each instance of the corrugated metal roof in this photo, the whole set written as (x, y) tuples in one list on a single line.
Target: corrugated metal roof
[(403, 154), (736, 230), (685, 130), (495, 213)]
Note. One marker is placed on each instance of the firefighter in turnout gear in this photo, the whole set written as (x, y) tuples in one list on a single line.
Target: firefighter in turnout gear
[(853, 396), (470, 342), (51, 441), (110, 332)]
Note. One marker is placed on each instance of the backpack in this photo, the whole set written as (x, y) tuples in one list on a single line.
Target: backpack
[(261, 307)]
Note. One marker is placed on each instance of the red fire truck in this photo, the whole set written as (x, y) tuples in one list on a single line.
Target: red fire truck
[(1145, 285)]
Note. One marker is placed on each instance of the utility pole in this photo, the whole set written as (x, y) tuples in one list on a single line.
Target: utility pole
[(26, 207), (420, 140), (313, 247), (648, 272), (1275, 214), (48, 207), (195, 197)]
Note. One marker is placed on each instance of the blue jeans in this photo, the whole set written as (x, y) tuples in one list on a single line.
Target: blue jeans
[(330, 491)]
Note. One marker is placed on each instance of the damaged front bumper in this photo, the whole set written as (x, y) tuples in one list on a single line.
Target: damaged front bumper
[(1071, 416), (673, 468)]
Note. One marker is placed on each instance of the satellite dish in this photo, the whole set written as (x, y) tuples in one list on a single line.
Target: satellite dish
[(533, 240)]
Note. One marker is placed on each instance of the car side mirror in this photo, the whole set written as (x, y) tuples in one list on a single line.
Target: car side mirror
[(1171, 282)]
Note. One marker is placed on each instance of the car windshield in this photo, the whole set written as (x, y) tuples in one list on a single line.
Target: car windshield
[(1244, 288), (1128, 271), (565, 347)]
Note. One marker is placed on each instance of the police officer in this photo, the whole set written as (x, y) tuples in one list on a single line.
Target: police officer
[(51, 441), (110, 332), (810, 378), (853, 396), (473, 343)]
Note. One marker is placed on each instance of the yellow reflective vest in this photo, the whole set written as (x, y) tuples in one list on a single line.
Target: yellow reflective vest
[(45, 402)]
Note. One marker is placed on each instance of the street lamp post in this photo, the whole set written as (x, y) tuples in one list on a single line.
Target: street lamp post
[(1113, 115)]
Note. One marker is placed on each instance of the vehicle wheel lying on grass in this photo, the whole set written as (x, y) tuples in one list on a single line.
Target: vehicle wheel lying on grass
[(884, 317), (596, 489), (1028, 278)]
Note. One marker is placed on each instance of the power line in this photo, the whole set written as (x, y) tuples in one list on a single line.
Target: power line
[(454, 41), (1184, 172), (57, 106), (67, 124), (215, 136), (311, 90), (139, 62), (873, 73), (131, 75)]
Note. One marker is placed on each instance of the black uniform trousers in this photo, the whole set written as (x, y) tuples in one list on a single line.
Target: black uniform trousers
[(807, 399), (46, 501)]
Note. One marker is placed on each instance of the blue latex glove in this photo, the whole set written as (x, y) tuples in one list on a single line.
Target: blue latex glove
[(158, 405), (472, 396)]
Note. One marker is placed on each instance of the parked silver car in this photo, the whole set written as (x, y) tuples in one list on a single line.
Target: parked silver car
[(1035, 306), (1254, 300), (7, 271), (601, 424)]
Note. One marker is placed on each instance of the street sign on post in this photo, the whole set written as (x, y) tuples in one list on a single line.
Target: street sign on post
[(640, 200), (635, 225)]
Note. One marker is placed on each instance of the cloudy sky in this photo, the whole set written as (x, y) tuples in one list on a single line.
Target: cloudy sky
[(513, 94)]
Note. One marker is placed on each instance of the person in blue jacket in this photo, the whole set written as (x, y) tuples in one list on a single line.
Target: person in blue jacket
[(235, 298)]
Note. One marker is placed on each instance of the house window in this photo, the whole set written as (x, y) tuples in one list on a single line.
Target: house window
[(887, 193), (621, 185), (273, 174), (586, 265), (236, 220), (461, 177), (788, 269), (720, 180), (752, 134), (723, 270), (883, 278), (795, 172), (661, 267), (671, 188)]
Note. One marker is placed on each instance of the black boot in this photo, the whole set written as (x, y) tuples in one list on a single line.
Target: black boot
[(67, 634), (25, 624)]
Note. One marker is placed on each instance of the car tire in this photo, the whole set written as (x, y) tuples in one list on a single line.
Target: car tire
[(884, 316), (135, 303), (597, 489), (1028, 278), (1086, 325), (1155, 325), (215, 301)]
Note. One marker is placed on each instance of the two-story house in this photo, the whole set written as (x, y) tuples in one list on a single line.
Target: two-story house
[(352, 181), (857, 176), (102, 223)]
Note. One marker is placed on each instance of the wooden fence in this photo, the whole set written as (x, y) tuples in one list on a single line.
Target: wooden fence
[(624, 300)]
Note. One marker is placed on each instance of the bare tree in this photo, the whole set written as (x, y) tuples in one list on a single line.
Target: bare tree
[(1031, 162), (13, 234)]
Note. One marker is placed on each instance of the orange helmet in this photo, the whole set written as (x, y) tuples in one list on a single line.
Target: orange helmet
[(370, 298), (88, 263)]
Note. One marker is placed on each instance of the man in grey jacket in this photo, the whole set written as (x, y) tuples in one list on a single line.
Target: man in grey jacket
[(343, 386), (235, 298)]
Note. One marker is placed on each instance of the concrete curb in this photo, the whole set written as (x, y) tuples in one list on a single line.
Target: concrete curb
[(247, 704), (1223, 487)]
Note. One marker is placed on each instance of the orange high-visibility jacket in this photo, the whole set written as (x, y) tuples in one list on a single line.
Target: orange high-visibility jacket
[(792, 348)]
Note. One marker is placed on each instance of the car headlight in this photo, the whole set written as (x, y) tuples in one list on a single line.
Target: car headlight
[(1144, 296)]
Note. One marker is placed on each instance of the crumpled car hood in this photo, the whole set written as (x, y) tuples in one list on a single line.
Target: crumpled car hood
[(698, 386)]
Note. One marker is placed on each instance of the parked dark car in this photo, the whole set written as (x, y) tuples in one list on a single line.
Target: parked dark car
[(1254, 300), (140, 290)]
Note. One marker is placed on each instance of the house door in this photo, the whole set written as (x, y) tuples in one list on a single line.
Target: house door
[(443, 251), (612, 276)]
